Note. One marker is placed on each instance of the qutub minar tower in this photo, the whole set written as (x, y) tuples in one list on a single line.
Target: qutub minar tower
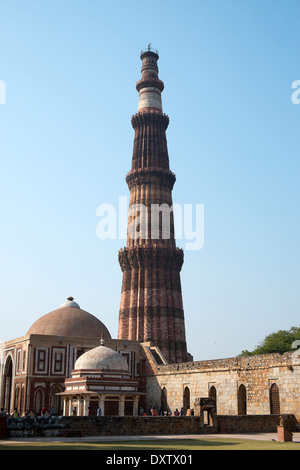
[(151, 301)]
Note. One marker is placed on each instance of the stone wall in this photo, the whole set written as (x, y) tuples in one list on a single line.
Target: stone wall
[(254, 424), (71, 426), (256, 373), (3, 428), (102, 426)]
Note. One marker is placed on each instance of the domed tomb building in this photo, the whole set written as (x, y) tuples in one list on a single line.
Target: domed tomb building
[(35, 366), (101, 379)]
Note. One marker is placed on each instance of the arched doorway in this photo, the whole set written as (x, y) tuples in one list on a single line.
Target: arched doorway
[(274, 400), (7, 384), (186, 400), (164, 400), (213, 394), (39, 400), (55, 401), (242, 400)]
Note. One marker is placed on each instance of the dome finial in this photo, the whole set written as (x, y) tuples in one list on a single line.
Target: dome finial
[(70, 303), (102, 340)]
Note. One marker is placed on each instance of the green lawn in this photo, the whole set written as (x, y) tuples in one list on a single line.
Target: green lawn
[(163, 445)]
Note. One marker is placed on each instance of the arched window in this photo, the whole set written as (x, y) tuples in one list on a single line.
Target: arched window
[(186, 400), (242, 400), (274, 400)]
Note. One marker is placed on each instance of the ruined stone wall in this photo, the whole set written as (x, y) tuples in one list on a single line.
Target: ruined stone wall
[(256, 373)]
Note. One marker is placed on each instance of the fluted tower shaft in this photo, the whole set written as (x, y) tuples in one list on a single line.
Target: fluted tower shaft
[(151, 300)]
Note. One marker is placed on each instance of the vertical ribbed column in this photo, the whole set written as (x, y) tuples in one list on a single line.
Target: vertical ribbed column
[(151, 301)]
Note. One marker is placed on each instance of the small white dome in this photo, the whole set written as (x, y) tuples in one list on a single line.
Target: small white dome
[(101, 358), (70, 303)]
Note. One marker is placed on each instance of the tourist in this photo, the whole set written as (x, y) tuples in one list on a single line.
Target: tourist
[(176, 412), (99, 411)]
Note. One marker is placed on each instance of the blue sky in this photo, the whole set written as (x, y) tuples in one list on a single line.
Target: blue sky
[(70, 69)]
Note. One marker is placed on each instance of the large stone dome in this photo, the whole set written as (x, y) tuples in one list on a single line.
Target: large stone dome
[(69, 320), (101, 358)]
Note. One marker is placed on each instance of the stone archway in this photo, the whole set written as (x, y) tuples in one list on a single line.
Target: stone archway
[(274, 400), (213, 394), (186, 400), (39, 400), (242, 400), (7, 384), (55, 401), (164, 400)]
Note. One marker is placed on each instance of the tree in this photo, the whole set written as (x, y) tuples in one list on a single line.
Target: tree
[(278, 342)]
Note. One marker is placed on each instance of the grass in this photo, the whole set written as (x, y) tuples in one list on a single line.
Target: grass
[(162, 445)]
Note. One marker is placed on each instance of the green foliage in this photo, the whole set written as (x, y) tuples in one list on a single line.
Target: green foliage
[(279, 342)]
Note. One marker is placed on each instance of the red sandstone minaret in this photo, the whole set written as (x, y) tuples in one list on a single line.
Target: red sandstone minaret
[(151, 301)]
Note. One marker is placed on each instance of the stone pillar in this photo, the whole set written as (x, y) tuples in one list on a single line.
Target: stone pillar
[(136, 406), (85, 405), (101, 403), (65, 406), (122, 405)]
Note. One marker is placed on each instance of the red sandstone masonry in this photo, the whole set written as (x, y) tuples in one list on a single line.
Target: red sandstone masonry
[(151, 302)]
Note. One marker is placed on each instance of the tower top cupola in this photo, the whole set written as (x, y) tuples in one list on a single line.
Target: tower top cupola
[(149, 86)]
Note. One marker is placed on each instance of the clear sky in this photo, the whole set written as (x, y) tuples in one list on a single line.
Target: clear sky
[(66, 140)]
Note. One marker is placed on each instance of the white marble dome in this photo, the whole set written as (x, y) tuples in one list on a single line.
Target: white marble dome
[(101, 358)]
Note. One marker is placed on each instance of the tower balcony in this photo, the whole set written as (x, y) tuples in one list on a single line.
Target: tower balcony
[(149, 51)]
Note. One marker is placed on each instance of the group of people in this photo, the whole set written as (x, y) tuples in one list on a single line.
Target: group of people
[(44, 412), (153, 412), (161, 412), (99, 411)]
